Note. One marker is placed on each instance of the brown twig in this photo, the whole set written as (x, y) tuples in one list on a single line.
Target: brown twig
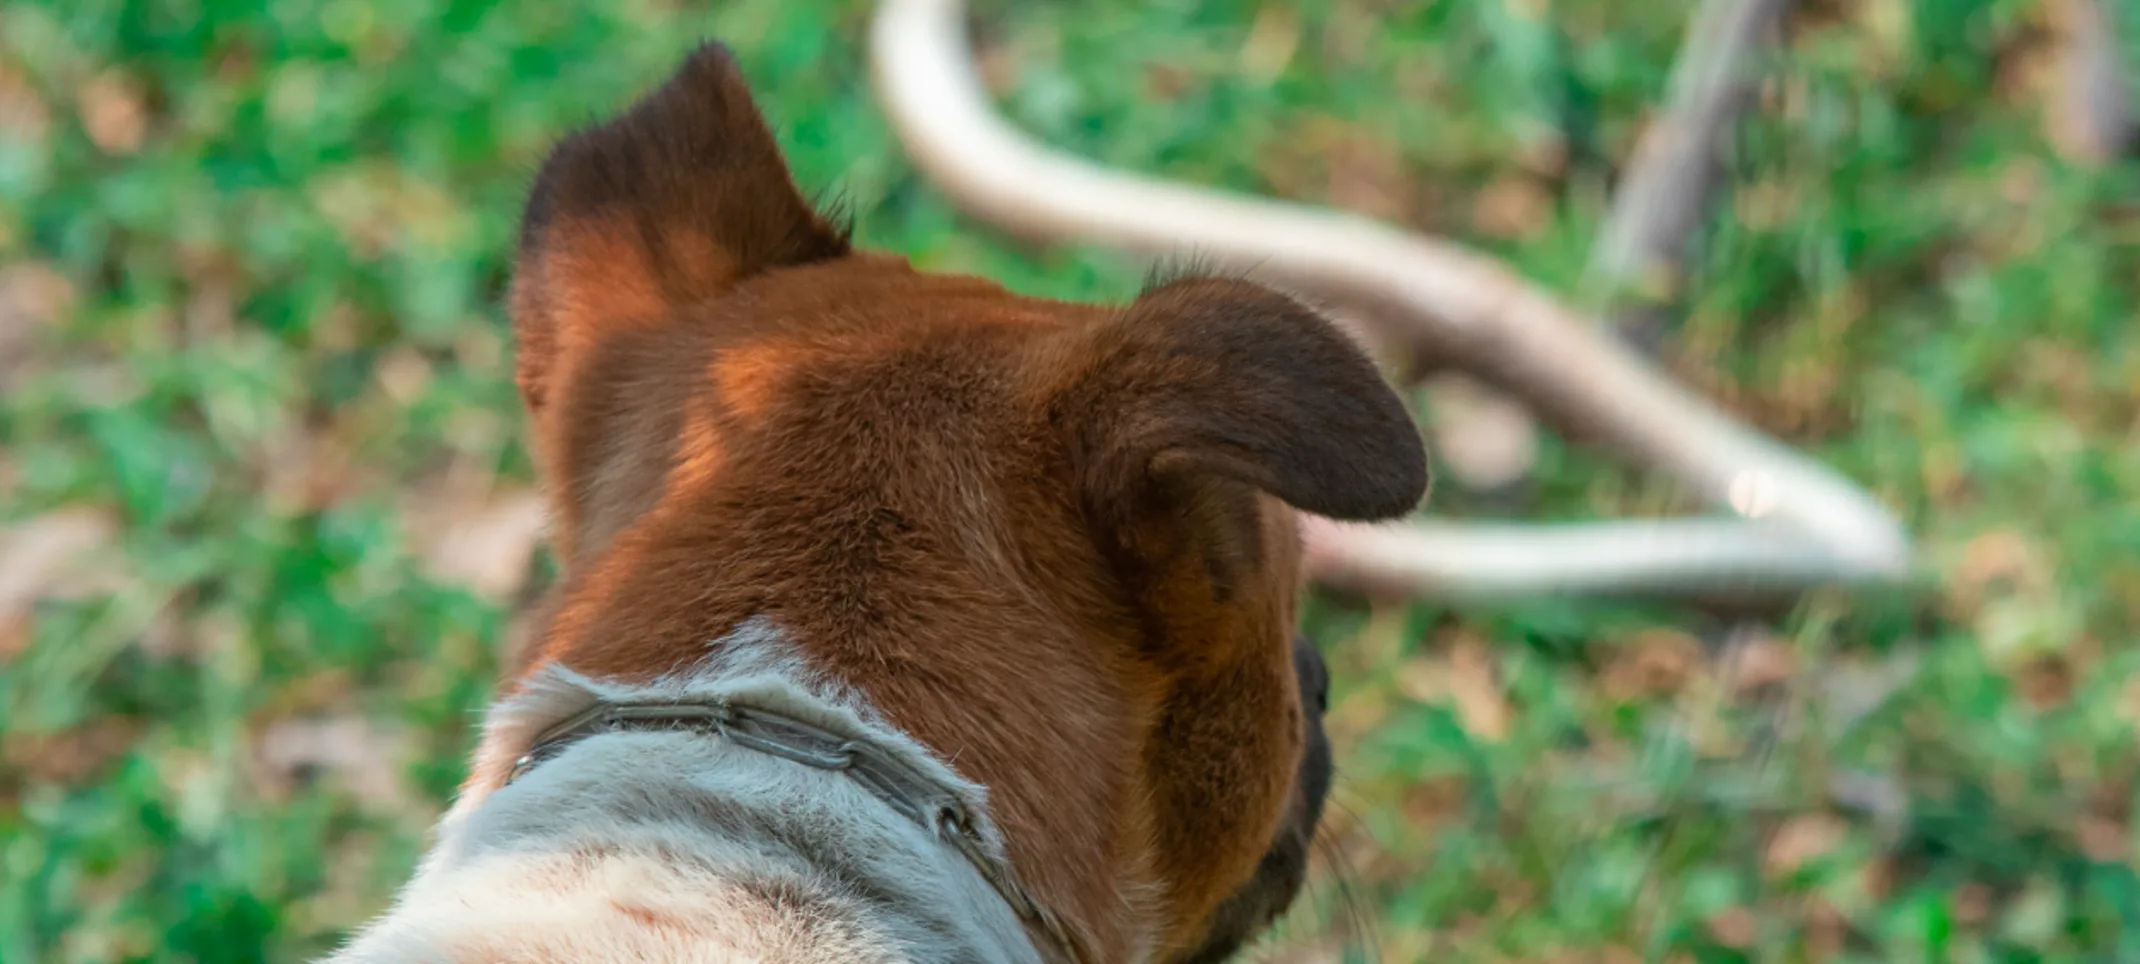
[(1799, 524), (2092, 118)]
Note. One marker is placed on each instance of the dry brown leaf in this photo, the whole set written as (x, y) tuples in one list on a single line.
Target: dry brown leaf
[(32, 295), (1167, 81), (2045, 681), (303, 471), (1765, 205), (1464, 677), (1433, 802), (1652, 663), (1365, 173), (23, 116), (1803, 839), (1877, 878), (2128, 703), (113, 113), (485, 548), (68, 756), (167, 635), (403, 374), (362, 756), (2021, 181), (2103, 840), (1544, 152), (1357, 714), (1512, 209), (1736, 928), (1272, 41), (2000, 562), (1972, 903), (1760, 662), (1826, 928), (1476, 687), (211, 310), (1486, 440), (1421, 679), (47, 557), (997, 64)]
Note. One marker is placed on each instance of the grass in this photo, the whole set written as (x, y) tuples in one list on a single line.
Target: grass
[(250, 267)]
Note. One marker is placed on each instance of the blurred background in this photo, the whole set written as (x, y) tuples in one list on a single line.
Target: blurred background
[(265, 514)]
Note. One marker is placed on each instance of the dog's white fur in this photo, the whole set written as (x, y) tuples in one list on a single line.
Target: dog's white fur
[(673, 847)]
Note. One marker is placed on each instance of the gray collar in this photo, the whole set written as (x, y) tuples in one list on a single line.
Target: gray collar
[(901, 787)]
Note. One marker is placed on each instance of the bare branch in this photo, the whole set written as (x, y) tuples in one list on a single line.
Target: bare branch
[(1451, 301), (1677, 164), (1475, 561), (2092, 118)]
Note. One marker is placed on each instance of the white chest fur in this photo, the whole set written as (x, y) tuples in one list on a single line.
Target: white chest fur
[(677, 847)]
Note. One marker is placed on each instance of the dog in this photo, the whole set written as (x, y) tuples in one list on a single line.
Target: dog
[(899, 617)]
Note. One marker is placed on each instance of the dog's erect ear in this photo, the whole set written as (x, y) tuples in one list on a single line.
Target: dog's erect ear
[(671, 203), (1230, 380)]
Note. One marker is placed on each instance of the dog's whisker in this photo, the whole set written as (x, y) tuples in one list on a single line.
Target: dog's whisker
[(1362, 926), (1355, 924)]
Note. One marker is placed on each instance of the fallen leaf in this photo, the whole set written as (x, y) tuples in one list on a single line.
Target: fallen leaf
[(1485, 439), (113, 114), (2000, 562), (486, 549), (32, 295), (23, 116), (2046, 682), (1167, 81), (1765, 205), (1476, 688), (290, 753), (1420, 679), (1272, 41), (1365, 173), (2021, 180), (403, 374), (1803, 839), (1434, 802), (1652, 663), (1357, 714), (1735, 928), (1512, 209), (67, 756), (1826, 927), (304, 470), (2103, 840), (1759, 660), (1972, 903), (48, 557)]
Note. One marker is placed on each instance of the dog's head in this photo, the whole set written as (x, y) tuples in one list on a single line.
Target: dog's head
[(1053, 542)]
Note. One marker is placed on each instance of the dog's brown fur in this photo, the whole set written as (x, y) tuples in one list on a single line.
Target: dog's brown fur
[(1051, 541)]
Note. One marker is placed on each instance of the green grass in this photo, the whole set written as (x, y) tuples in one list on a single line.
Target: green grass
[(252, 259)]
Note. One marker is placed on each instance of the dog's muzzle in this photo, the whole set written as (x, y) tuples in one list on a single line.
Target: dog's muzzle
[(885, 776)]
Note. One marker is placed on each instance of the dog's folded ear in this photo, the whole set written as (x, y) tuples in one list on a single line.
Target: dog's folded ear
[(1224, 379), (665, 206)]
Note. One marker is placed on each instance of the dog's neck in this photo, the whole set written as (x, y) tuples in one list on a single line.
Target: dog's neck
[(674, 846)]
